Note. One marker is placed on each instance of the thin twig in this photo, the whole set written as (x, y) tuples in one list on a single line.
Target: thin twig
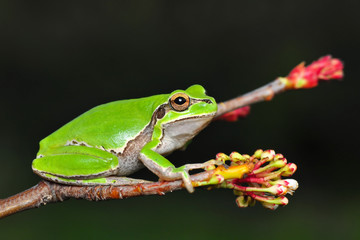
[(264, 93)]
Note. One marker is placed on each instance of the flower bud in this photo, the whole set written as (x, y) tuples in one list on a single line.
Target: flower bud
[(270, 206), (278, 156), (283, 200), (278, 190), (289, 170), (258, 153), (242, 201), (292, 184), (279, 200), (235, 156), (279, 163), (269, 154), (222, 157)]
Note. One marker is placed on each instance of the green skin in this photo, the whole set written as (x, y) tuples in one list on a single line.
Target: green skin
[(114, 140)]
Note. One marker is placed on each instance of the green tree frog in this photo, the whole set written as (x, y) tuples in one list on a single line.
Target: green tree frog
[(113, 140)]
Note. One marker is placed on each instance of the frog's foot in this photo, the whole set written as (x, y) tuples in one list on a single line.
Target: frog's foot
[(165, 170), (187, 181), (185, 176)]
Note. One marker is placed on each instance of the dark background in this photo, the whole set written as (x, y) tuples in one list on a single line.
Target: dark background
[(57, 60)]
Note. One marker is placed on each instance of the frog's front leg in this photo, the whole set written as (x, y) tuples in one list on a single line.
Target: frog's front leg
[(164, 169)]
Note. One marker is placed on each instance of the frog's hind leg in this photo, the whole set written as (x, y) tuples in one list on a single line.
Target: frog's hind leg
[(106, 181), (77, 162), (81, 165)]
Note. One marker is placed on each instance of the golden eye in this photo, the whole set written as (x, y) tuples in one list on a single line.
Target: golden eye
[(179, 101)]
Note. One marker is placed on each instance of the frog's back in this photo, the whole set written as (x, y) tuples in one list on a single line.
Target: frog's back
[(107, 126)]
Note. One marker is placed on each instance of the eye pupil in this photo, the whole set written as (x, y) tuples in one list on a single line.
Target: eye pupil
[(180, 100)]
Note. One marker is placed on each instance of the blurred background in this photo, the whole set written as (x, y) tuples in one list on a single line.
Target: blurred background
[(60, 59)]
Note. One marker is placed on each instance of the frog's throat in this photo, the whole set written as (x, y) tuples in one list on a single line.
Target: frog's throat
[(178, 133)]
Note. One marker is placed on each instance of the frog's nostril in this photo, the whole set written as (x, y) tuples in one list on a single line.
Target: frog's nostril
[(208, 101)]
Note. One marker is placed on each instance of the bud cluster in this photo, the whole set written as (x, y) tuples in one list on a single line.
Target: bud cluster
[(264, 183), (325, 68)]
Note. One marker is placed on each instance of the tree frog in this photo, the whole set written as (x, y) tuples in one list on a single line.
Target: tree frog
[(107, 143)]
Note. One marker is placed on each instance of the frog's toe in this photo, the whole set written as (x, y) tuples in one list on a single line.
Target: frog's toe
[(187, 182), (198, 165)]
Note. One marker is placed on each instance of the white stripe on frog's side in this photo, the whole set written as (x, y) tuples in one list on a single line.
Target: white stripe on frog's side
[(77, 143), (115, 151)]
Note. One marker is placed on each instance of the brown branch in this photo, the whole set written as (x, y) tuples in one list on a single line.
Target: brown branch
[(44, 192), (264, 93), (49, 192)]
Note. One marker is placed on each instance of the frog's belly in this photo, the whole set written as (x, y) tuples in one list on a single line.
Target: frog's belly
[(128, 166)]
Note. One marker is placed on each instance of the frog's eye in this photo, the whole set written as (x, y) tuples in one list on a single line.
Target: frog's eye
[(179, 101)]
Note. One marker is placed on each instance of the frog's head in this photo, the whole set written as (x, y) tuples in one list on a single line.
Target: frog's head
[(185, 114)]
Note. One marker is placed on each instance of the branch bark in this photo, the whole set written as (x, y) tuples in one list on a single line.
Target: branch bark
[(264, 93), (49, 192)]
